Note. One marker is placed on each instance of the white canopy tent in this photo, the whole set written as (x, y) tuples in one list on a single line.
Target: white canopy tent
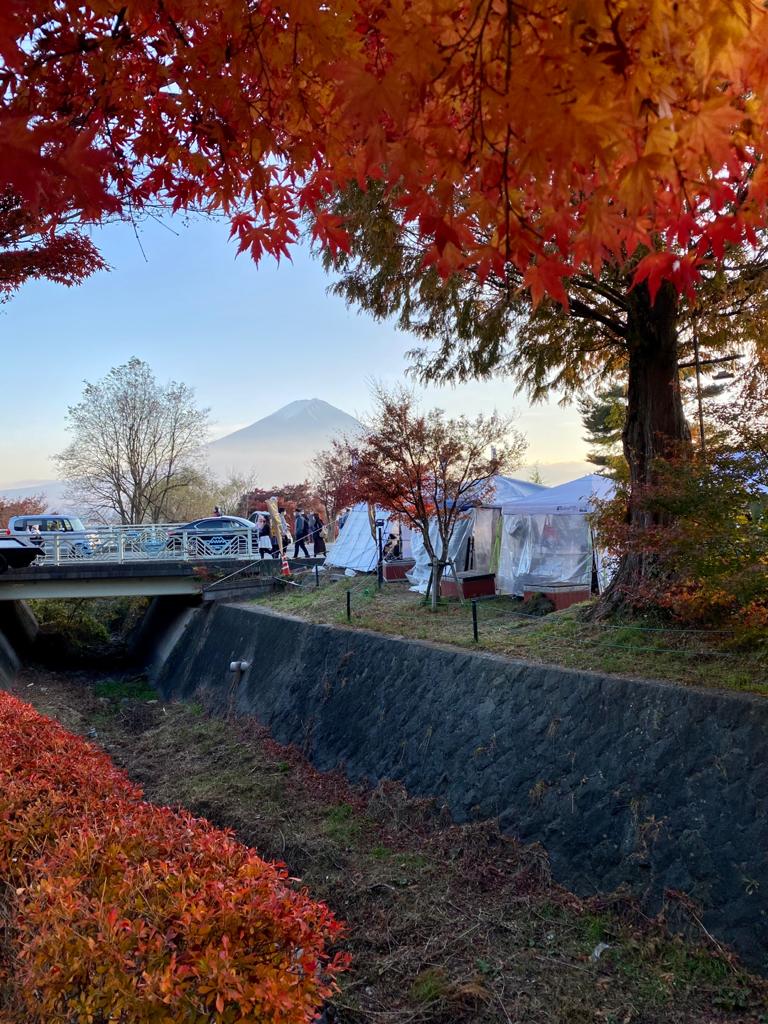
[(355, 547), (546, 538), (572, 497), (473, 541)]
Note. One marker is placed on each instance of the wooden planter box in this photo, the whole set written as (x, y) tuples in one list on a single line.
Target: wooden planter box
[(397, 568), (562, 597), (480, 584)]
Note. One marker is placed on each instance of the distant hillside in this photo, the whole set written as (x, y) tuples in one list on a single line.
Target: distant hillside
[(51, 491), (279, 448)]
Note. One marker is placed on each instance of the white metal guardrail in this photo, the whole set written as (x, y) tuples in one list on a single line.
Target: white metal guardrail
[(152, 542)]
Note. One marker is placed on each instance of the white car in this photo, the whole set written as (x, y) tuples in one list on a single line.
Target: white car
[(55, 532)]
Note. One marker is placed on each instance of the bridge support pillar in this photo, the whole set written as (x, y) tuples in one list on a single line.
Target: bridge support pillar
[(160, 629)]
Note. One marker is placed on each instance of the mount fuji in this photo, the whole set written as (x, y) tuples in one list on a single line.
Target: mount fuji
[(279, 448)]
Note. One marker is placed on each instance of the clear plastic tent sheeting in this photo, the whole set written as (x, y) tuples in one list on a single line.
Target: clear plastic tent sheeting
[(476, 538), (484, 553), (540, 550), (546, 539), (419, 575)]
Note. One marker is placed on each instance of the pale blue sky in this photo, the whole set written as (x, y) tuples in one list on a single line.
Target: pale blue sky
[(248, 339)]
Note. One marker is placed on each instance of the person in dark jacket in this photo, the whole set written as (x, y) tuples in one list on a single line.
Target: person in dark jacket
[(265, 536), (301, 534), (318, 541)]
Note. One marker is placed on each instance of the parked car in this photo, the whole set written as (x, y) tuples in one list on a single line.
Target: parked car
[(216, 536), (50, 530), (17, 552)]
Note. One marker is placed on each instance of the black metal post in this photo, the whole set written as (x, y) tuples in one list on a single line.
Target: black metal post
[(317, 577), (380, 574), (349, 606), (474, 618)]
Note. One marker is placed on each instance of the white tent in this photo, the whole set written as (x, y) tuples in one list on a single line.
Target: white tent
[(508, 488), (473, 541), (546, 538), (355, 547), (575, 496)]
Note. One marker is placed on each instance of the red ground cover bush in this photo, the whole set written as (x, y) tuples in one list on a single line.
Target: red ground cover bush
[(122, 911)]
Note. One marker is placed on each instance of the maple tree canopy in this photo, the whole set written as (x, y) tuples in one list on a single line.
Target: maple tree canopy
[(550, 134)]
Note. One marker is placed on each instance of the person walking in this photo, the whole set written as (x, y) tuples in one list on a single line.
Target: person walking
[(318, 541), (286, 532), (302, 532), (265, 537)]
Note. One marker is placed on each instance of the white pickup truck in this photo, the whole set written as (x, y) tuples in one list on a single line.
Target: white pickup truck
[(59, 533), (17, 552)]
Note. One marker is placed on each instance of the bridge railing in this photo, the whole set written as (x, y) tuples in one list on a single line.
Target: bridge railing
[(167, 542)]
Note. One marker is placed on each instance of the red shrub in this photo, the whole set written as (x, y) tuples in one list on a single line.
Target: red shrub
[(128, 912)]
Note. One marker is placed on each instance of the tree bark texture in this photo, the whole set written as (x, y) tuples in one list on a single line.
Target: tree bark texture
[(655, 426)]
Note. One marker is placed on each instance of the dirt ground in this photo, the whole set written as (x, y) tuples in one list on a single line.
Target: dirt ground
[(446, 924)]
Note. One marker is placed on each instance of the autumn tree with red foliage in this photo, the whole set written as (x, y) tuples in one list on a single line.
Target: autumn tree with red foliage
[(655, 123), (428, 470), (334, 480), (10, 507), (289, 497), (29, 251), (537, 141)]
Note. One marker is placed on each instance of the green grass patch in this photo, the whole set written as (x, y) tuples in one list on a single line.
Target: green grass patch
[(666, 970), (431, 986), (343, 825), (644, 648), (137, 688)]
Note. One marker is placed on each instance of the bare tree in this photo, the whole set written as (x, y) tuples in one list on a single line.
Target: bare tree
[(202, 491), (427, 469), (134, 444)]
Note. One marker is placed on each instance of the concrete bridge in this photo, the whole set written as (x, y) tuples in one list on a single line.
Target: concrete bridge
[(210, 580)]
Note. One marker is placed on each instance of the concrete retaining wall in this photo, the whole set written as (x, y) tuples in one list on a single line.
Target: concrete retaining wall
[(18, 628), (624, 782), (9, 662)]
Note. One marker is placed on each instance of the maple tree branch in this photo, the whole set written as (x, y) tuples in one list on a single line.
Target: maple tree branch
[(171, 21), (119, 19), (581, 309), (599, 288)]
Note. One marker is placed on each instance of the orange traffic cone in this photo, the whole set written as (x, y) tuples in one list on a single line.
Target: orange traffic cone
[(285, 569)]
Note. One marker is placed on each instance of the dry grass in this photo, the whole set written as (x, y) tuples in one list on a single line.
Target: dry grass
[(447, 924), (637, 648)]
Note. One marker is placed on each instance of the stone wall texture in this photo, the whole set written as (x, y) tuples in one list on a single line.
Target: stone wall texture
[(625, 782)]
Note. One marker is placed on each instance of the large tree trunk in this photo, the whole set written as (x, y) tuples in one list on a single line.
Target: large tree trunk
[(655, 427)]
